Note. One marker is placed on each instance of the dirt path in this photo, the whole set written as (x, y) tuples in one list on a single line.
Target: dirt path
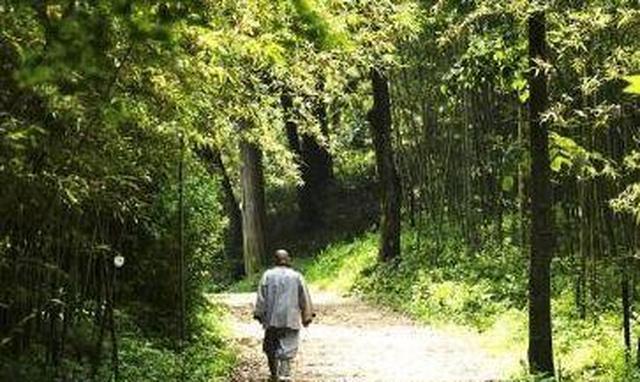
[(353, 341)]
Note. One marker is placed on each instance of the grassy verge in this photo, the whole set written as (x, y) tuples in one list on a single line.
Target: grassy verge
[(206, 358), (484, 292), (338, 266)]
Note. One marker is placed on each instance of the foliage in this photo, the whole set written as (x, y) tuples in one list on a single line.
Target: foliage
[(337, 266), (462, 136), (464, 287), (91, 110), (466, 290), (101, 101), (634, 84), (206, 358), (158, 247)]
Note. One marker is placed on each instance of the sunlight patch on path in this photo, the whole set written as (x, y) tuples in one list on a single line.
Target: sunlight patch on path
[(353, 341)]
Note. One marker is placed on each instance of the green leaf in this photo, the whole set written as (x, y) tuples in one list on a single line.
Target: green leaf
[(558, 162), (507, 183), (634, 87), (519, 83), (523, 96)]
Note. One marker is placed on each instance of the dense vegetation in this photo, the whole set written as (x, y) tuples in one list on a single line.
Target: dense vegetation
[(491, 144)]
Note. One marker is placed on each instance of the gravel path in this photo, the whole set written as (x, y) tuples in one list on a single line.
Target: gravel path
[(354, 342)]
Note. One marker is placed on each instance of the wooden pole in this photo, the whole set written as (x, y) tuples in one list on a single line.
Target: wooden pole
[(181, 260)]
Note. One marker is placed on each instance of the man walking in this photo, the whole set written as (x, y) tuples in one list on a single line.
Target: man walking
[(282, 305)]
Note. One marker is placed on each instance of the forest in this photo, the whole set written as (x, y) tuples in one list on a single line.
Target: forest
[(471, 165)]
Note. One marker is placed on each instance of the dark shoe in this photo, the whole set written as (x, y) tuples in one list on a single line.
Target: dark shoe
[(273, 367)]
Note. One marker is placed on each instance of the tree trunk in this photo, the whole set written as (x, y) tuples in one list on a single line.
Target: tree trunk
[(315, 163), (523, 176), (291, 128), (542, 239), (380, 124), (253, 207), (625, 294), (213, 159), (324, 160), (315, 176)]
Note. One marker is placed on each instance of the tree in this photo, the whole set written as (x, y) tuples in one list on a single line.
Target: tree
[(542, 239), (314, 162), (213, 159), (324, 159), (317, 166), (390, 189), (253, 207)]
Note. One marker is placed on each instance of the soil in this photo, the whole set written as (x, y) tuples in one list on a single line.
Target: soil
[(352, 341)]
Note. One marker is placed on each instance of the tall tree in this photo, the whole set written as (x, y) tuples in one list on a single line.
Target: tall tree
[(316, 170), (542, 239), (315, 163), (253, 207), (212, 157), (324, 159), (390, 189)]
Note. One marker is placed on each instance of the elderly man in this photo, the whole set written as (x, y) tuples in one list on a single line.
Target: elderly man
[(282, 305)]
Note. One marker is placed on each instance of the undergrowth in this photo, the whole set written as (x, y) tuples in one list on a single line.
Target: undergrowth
[(205, 358), (445, 284)]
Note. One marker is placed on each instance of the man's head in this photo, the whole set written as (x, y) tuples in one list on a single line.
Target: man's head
[(281, 257)]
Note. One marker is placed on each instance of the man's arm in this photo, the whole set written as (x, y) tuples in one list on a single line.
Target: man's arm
[(306, 307), (259, 310)]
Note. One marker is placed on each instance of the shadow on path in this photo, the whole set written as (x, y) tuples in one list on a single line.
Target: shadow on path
[(353, 341)]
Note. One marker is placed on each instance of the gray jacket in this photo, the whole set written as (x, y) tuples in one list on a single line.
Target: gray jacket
[(283, 299)]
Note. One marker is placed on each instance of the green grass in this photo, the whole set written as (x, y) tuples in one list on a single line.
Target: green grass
[(247, 284), (338, 266), (334, 268), (206, 358), (483, 293)]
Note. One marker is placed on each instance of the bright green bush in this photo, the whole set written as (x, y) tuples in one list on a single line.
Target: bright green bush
[(206, 358), (482, 290), (338, 266), (463, 287)]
